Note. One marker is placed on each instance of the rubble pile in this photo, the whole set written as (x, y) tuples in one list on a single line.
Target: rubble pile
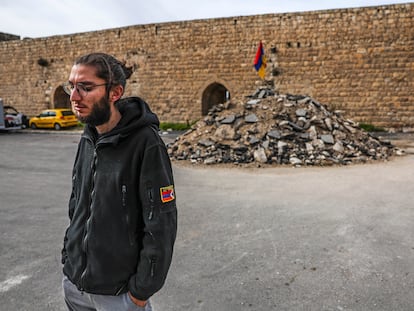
[(277, 129)]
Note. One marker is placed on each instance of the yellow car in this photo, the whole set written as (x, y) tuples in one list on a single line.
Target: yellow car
[(54, 118)]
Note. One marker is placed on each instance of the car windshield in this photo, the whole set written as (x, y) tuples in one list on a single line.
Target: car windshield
[(10, 110)]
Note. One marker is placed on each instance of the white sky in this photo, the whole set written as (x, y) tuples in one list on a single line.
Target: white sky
[(42, 18)]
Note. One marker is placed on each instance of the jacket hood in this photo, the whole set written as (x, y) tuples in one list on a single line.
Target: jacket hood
[(135, 114)]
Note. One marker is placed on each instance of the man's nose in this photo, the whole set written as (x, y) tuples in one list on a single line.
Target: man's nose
[(75, 94)]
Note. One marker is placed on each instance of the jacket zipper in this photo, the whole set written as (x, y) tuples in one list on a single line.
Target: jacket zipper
[(124, 206), (85, 237), (124, 191)]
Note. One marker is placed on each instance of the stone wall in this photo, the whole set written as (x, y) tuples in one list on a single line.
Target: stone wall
[(360, 61)]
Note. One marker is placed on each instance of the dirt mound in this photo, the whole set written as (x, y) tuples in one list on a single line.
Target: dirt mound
[(277, 129)]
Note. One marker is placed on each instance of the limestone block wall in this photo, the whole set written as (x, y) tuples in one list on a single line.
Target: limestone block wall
[(360, 61)]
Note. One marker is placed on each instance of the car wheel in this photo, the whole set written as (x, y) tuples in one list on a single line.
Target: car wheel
[(33, 126), (57, 126)]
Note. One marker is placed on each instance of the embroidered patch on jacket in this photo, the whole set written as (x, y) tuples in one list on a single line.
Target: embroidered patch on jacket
[(167, 194)]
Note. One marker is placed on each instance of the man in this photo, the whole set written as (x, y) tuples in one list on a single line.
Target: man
[(123, 219)]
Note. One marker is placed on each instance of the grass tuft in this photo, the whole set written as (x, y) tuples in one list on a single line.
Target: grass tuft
[(371, 128)]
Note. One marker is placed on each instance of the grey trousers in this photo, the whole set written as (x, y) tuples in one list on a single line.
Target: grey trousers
[(80, 301)]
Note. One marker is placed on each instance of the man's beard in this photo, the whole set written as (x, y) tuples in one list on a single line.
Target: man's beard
[(100, 114)]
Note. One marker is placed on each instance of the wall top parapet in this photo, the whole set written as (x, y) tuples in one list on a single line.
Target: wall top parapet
[(222, 20)]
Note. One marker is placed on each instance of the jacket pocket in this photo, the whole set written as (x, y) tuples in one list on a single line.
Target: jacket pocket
[(150, 196), (155, 204)]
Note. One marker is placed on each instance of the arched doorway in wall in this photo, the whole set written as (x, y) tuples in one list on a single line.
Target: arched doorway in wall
[(214, 94), (61, 99)]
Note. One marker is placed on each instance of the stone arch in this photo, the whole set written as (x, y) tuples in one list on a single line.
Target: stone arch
[(214, 94), (61, 99)]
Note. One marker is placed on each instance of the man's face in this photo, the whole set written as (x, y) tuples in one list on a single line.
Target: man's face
[(89, 100)]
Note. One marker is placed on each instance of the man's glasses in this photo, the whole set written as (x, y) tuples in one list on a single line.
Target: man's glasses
[(82, 89)]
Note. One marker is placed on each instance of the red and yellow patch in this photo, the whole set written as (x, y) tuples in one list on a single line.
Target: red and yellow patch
[(167, 194)]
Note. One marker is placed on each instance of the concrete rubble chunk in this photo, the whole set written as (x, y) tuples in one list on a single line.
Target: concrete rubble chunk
[(260, 155), (210, 160), (328, 139), (295, 126), (206, 142), (338, 147), (313, 134), (251, 118), (328, 123), (295, 161), (278, 129), (301, 112), (224, 132), (229, 119), (253, 140), (274, 134), (253, 102), (262, 94), (309, 147)]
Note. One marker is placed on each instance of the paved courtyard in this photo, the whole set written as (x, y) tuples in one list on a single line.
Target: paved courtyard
[(335, 238)]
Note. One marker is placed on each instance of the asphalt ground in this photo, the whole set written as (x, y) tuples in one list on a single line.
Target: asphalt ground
[(280, 238)]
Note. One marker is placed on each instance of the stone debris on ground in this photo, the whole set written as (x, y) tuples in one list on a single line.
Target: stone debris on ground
[(270, 128)]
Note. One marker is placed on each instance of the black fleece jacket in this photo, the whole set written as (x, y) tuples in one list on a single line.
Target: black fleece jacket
[(122, 209)]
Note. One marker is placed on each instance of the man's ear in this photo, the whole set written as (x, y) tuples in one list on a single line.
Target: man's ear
[(116, 93)]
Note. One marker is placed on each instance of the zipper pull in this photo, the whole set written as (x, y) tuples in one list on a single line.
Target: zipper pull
[(152, 267), (124, 191), (150, 195)]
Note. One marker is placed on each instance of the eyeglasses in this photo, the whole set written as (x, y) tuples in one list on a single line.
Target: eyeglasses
[(82, 89)]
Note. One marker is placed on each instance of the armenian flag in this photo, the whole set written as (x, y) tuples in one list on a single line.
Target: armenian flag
[(167, 194), (260, 61)]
